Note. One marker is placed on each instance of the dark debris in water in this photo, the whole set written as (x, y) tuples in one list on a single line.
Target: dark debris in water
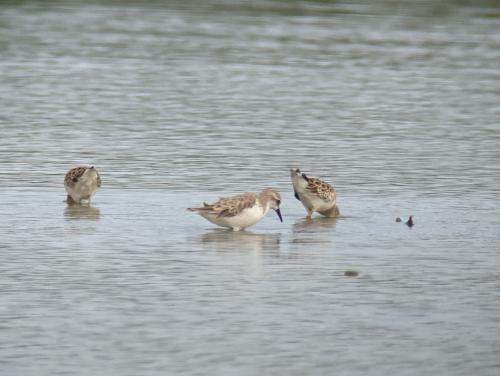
[(351, 273), (410, 222)]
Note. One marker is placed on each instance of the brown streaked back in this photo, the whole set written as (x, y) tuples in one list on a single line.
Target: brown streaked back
[(321, 188), (73, 175), (229, 206)]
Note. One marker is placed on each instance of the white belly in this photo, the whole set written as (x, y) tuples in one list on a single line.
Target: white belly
[(82, 190), (316, 203), (246, 218), (311, 201)]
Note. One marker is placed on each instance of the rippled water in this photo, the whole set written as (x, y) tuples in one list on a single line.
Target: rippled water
[(395, 103)]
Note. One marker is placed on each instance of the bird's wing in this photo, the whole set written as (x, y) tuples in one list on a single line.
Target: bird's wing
[(228, 206), (321, 189), (231, 206)]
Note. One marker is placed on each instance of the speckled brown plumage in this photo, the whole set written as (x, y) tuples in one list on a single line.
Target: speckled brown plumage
[(321, 188), (73, 175), (81, 183), (316, 195), (230, 206), (241, 211)]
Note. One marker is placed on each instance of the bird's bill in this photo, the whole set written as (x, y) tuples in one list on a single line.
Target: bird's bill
[(279, 214)]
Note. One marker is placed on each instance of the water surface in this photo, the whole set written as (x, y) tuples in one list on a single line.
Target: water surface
[(394, 103)]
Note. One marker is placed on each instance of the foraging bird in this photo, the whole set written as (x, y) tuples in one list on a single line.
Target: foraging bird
[(81, 183), (315, 194), (241, 211)]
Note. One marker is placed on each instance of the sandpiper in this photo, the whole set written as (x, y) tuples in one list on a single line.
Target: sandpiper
[(315, 194), (81, 183), (241, 211)]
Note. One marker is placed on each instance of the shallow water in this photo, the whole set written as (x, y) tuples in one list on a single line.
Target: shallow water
[(396, 104)]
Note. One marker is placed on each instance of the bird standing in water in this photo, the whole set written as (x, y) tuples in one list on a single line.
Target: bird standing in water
[(241, 211), (81, 183), (315, 194)]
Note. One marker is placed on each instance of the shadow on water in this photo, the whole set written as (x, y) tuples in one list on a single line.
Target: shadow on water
[(243, 241), (72, 212)]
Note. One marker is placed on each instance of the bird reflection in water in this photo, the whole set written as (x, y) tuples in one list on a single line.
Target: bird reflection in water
[(241, 240), (242, 249), (312, 233), (315, 224), (82, 212)]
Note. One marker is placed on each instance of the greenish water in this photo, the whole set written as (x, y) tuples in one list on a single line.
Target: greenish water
[(176, 103)]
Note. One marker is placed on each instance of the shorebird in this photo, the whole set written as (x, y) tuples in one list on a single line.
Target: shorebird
[(315, 194), (81, 183), (241, 211)]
